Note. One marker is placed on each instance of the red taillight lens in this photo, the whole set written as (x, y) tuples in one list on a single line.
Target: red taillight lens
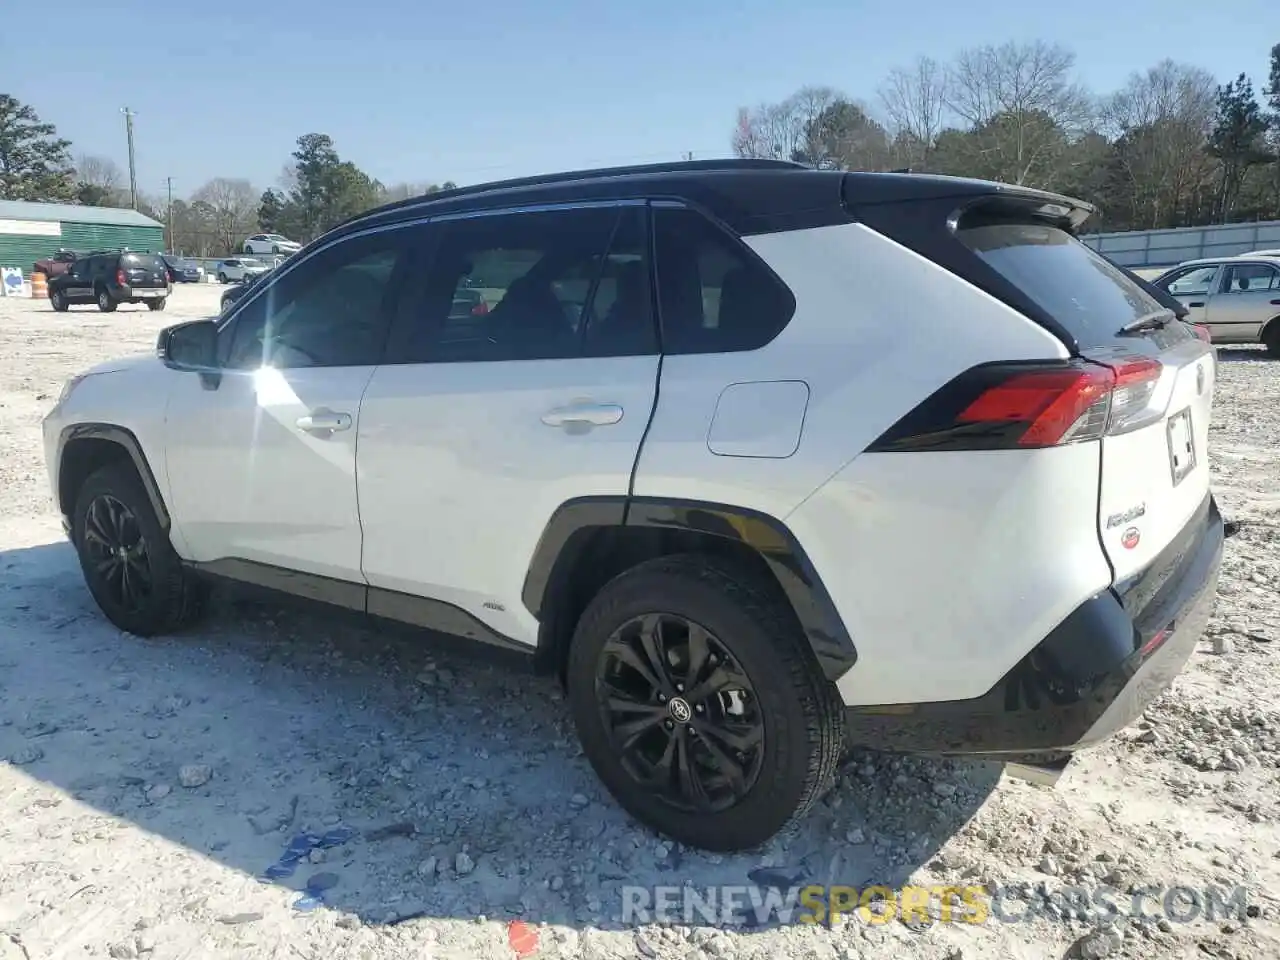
[(121, 279), (1010, 406), (1202, 332), (480, 309)]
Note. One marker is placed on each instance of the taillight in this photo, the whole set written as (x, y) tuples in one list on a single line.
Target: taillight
[(121, 279), (1012, 406), (1202, 332), (480, 309)]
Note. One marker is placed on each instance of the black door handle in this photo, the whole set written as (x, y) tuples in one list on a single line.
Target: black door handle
[(1196, 303)]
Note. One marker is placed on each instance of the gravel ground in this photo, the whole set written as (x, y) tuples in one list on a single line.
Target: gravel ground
[(149, 784)]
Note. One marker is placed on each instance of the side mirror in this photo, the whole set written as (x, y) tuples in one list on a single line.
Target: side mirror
[(189, 346)]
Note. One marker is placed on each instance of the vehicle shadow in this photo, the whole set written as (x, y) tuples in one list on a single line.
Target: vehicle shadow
[(457, 770)]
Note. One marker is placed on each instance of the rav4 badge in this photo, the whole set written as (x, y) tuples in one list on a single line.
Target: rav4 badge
[(1130, 538)]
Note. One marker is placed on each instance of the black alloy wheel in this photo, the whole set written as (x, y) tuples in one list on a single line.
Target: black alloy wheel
[(117, 552), (681, 713)]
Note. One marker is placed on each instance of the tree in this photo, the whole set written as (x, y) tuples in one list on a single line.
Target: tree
[(1159, 122), (232, 204), (915, 100), (1236, 139), (98, 182), (34, 162)]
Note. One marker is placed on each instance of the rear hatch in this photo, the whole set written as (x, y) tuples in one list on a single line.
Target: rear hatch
[(144, 271), (1155, 372), (1155, 471)]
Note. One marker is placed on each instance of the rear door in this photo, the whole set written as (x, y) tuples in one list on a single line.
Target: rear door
[(1155, 471), (1248, 295), (481, 422)]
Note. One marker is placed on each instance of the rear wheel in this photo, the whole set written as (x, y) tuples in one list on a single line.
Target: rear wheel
[(698, 704), (157, 304), (129, 565), (58, 300), (1271, 337), (222, 278), (105, 303)]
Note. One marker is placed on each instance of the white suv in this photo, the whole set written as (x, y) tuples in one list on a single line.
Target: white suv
[(271, 243), (762, 461)]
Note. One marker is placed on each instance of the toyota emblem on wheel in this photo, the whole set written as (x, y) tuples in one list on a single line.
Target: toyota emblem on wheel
[(679, 710)]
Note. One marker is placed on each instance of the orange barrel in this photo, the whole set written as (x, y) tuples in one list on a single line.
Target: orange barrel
[(39, 286)]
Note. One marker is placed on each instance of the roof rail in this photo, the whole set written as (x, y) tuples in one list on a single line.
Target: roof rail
[(677, 166)]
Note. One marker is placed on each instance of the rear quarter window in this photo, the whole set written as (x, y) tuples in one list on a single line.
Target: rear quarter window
[(1083, 291), (141, 260)]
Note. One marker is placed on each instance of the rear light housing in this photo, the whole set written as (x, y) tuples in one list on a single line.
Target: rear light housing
[(1019, 406), (121, 279), (1202, 332), (480, 309)]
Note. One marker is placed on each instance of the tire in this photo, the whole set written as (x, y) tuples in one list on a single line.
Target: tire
[(58, 301), (157, 304), (222, 278), (796, 712), (275, 249), (105, 303), (173, 598), (1271, 338)]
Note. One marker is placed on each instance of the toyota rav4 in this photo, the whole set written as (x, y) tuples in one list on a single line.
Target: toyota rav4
[(761, 461)]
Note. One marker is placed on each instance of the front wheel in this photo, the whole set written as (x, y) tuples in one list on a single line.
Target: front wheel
[(129, 565), (58, 301), (157, 304), (222, 278), (105, 303), (699, 705)]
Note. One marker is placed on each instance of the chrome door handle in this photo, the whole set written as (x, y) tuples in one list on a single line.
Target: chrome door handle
[(583, 415), (324, 421)]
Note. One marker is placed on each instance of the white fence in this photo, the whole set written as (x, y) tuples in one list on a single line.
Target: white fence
[(1165, 248)]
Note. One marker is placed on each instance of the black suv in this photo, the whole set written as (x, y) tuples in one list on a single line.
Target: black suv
[(110, 279)]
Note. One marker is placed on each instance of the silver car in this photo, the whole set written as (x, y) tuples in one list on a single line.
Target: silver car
[(1236, 298)]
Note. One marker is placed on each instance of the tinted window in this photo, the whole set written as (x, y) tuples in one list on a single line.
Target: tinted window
[(329, 311), (533, 286), (1250, 277), (714, 296), (143, 260), (1083, 291), (1192, 282)]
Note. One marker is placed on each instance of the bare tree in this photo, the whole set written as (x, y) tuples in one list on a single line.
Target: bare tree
[(98, 172), (915, 100), (233, 208), (1023, 102), (1159, 122), (784, 130)]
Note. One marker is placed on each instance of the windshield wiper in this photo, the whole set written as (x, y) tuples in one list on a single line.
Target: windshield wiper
[(1149, 321)]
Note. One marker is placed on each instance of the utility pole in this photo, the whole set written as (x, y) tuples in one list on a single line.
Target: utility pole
[(133, 170), (169, 211)]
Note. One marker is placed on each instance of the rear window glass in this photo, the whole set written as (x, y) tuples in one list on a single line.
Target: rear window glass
[(142, 260), (1084, 292)]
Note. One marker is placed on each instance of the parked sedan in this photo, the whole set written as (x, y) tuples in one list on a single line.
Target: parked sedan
[(181, 270), (239, 268), (1236, 298), (270, 243)]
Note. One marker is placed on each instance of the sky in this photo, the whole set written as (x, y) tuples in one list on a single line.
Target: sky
[(426, 91)]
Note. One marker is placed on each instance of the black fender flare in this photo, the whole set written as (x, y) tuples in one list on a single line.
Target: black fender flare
[(767, 536), (124, 438)]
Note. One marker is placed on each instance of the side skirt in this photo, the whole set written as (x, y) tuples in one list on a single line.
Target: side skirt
[(357, 599)]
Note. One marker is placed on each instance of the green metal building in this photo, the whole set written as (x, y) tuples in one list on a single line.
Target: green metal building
[(33, 231)]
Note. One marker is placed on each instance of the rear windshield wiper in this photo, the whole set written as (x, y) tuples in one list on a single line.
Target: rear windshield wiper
[(1149, 321)]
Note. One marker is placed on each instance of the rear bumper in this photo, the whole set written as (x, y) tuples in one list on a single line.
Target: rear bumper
[(1092, 676)]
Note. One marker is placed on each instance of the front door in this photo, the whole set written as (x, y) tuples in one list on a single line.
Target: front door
[(78, 285), (1193, 287), (526, 379), (1249, 296), (261, 461)]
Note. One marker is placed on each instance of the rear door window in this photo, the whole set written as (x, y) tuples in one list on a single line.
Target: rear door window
[(1251, 278), (1192, 282), (1083, 291)]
